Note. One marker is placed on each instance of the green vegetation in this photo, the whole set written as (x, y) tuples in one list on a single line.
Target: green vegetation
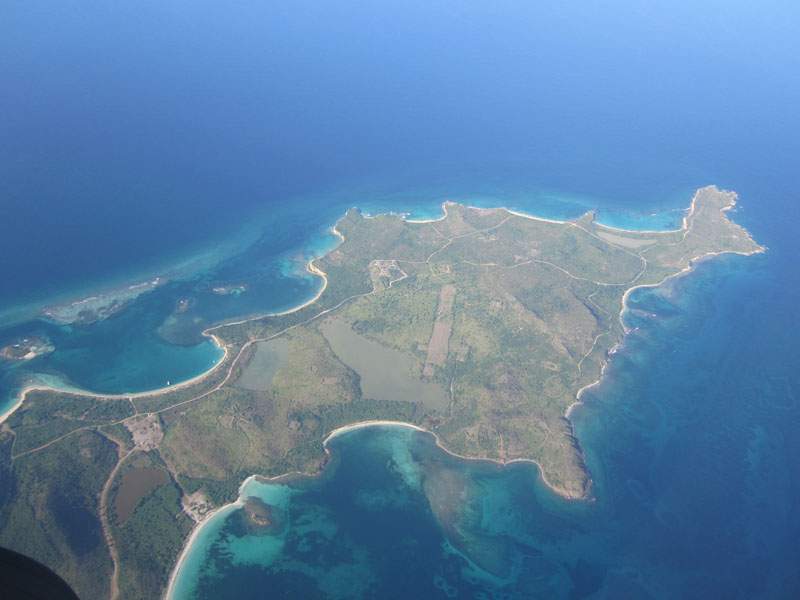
[(507, 317), (120, 433), (150, 538), (50, 512), (46, 415)]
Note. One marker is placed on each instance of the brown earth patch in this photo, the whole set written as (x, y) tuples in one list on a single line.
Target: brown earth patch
[(437, 348), (440, 336), (446, 299), (145, 431), (136, 483)]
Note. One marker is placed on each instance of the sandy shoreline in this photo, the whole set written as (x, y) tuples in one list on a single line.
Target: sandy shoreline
[(508, 210), (353, 426), (240, 501), (149, 393), (196, 532), (311, 268), (14, 406), (565, 222)]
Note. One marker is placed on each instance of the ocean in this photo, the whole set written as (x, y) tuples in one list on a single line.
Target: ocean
[(214, 147)]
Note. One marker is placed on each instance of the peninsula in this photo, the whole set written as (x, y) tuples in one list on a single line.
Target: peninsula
[(482, 327)]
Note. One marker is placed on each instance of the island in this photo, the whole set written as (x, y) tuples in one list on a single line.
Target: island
[(27, 348), (482, 327)]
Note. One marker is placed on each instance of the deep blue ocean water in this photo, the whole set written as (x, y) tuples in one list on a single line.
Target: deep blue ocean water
[(215, 146)]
